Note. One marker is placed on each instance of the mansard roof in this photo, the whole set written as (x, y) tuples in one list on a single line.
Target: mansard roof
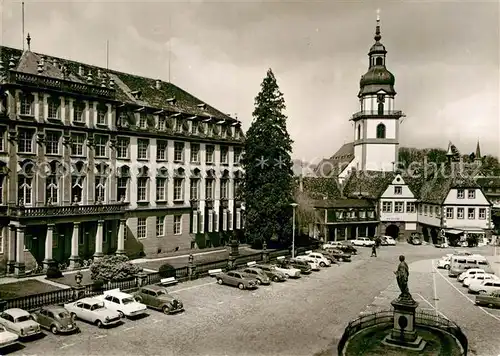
[(130, 89)]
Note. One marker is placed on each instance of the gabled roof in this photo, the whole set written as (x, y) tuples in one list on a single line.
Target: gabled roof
[(125, 84), (320, 188), (344, 203), (368, 184), (334, 165)]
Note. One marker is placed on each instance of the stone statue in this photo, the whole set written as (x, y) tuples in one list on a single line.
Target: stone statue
[(402, 278)]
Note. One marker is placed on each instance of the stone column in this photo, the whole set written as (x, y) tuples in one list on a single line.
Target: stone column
[(357, 231), (121, 237), (336, 233), (99, 237), (48, 246), (19, 267), (12, 249), (346, 231), (74, 260)]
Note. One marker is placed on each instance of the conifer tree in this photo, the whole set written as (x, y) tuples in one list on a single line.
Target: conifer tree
[(268, 184)]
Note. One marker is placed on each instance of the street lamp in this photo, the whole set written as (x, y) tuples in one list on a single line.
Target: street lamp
[(294, 205)]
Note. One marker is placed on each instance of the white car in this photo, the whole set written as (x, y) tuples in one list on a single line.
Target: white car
[(487, 286), (288, 271), (93, 311), (310, 261), (332, 244), (123, 303), (319, 259), (389, 241), (478, 278), (469, 273), (7, 338), (20, 322), (444, 262), (363, 241)]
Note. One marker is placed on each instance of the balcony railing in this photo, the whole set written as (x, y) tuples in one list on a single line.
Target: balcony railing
[(71, 210), (59, 84), (397, 113)]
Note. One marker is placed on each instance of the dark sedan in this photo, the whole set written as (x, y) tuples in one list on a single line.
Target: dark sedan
[(303, 266), (56, 319), (339, 255)]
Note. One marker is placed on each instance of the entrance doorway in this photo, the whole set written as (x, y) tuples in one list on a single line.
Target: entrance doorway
[(392, 231), (434, 235)]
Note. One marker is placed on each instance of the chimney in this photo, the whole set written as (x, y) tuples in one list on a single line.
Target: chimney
[(81, 71), (55, 62), (158, 84), (42, 61), (103, 81), (111, 83), (99, 74), (40, 66)]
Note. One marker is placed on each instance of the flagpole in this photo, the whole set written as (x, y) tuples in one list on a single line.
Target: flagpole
[(23, 22)]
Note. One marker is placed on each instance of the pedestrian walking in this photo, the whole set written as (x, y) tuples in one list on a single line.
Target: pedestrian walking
[(374, 251)]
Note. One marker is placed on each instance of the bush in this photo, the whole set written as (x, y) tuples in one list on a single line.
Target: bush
[(98, 286), (166, 271), (257, 244), (53, 272), (113, 268)]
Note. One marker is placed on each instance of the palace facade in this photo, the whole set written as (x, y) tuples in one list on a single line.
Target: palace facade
[(95, 162)]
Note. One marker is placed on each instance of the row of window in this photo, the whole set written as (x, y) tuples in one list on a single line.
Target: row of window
[(53, 147), (78, 111), (53, 189), (354, 214), (471, 193), (471, 213), (399, 207)]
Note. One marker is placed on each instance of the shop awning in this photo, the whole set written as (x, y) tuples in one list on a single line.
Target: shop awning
[(454, 231)]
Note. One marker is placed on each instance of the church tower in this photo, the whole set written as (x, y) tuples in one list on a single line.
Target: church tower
[(376, 125)]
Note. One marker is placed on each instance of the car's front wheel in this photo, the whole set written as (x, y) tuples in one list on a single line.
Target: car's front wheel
[(322, 264), (241, 286), (447, 267), (259, 282), (53, 329), (99, 323), (219, 280), (121, 314), (165, 309), (276, 279), (73, 316)]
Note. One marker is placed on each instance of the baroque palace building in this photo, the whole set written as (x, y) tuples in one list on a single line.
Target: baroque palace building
[(95, 162), (361, 191)]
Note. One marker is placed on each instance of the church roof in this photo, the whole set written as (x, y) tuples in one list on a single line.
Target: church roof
[(333, 166), (319, 188), (368, 184)]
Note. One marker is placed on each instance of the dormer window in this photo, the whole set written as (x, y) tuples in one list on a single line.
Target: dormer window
[(178, 125), (53, 108), (202, 106), (398, 190), (137, 94), (26, 104), (161, 123), (171, 101), (122, 120), (143, 121), (460, 194), (194, 127), (471, 194)]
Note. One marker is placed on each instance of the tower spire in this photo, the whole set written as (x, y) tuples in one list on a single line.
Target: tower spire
[(378, 36), (478, 152)]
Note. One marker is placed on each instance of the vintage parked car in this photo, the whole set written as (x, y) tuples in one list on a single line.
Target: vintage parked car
[(339, 255), (319, 258), (387, 241), (414, 239), (445, 261), (347, 248), (56, 319), (478, 279), (305, 267), (237, 279), (288, 270), (7, 338), (157, 297), (485, 287), (20, 322), (93, 311), (123, 303), (363, 241), (258, 274), (490, 300), (271, 272), (469, 273)]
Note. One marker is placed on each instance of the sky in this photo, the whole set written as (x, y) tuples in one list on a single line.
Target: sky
[(444, 54)]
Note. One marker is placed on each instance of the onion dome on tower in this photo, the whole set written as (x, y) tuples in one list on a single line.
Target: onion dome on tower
[(378, 77)]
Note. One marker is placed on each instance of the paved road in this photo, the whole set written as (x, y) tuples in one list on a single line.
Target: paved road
[(297, 317)]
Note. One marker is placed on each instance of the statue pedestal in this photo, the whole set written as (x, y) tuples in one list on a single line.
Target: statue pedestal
[(403, 333)]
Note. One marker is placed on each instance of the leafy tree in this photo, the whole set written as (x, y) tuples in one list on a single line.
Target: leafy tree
[(268, 185), (305, 212), (113, 268)]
